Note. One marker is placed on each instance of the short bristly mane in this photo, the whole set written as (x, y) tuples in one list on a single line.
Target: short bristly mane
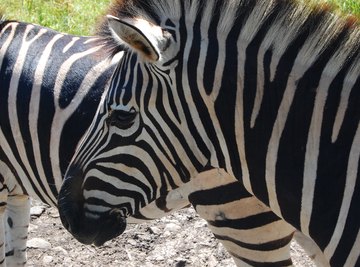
[(2, 19), (296, 16)]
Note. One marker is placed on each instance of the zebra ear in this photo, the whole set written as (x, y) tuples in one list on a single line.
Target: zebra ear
[(140, 35)]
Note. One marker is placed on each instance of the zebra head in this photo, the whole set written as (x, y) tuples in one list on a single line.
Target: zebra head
[(146, 139)]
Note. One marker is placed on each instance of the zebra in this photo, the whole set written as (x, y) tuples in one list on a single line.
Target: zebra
[(50, 86), (266, 90), (34, 60)]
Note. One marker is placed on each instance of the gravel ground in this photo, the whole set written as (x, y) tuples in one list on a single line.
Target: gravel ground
[(178, 240)]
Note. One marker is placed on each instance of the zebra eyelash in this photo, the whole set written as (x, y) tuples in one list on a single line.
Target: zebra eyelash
[(121, 119)]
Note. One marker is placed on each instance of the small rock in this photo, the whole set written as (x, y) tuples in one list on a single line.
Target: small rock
[(132, 242), (154, 230), (32, 228), (54, 213), (61, 250), (200, 224), (181, 263), (68, 261), (159, 258), (48, 259), (37, 211), (212, 262), (38, 243), (166, 234), (172, 227)]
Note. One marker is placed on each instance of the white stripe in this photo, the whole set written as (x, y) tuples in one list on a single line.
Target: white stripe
[(61, 116), (108, 198), (312, 154), (239, 115), (274, 142), (13, 113), (190, 102), (70, 44), (9, 184), (115, 181), (354, 253), (271, 158), (351, 176), (34, 109), (340, 115), (8, 41), (19, 170), (128, 170)]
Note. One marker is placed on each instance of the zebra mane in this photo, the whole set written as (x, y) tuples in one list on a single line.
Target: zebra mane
[(289, 18), (2, 17), (2, 21)]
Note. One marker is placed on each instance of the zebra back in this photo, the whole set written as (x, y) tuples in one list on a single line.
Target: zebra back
[(50, 86)]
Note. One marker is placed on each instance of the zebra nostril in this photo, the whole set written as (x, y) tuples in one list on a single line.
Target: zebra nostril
[(117, 213)]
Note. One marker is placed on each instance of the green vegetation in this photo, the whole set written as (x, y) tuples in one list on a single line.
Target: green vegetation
[(348, 6), (71, 16), (79, 16)]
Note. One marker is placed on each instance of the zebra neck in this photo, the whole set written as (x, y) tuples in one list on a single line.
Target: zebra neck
[(274, 61)]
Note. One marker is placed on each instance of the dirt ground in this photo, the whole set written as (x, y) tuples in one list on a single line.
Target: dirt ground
[(178, 240)]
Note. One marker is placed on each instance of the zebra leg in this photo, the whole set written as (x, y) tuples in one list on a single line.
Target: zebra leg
[(311, 249), (250, 232), (3, 200), (17, 222)]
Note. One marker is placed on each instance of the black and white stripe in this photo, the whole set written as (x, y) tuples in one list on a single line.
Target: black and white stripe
[(67, 74), (50, 86), (249, 231), (267, 90)]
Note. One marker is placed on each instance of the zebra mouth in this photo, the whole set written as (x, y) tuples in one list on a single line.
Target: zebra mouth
[(99, 231), (110, 227), (94, 230)]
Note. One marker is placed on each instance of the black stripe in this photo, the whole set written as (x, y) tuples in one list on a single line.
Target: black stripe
[(212, 52), (140, 216), (267, 246), (333, 157), (282, 263), (181, 94), (96, 183), (219, 195), (257, 138), (352, 226), (161, 203), (249, 222)]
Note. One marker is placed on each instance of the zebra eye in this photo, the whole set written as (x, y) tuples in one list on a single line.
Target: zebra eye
[(121, 118)]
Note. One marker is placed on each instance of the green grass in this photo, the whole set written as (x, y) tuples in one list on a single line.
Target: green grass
[(79, 16), (71, 16), (348, 6)]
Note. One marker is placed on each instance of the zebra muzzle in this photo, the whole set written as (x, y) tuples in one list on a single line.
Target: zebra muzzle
[(85, 226)]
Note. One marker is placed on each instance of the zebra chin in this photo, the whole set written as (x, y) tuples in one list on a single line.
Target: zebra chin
[(86, 228)]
